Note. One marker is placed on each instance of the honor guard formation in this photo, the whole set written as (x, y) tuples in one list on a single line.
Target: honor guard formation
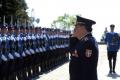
[(26, 52)]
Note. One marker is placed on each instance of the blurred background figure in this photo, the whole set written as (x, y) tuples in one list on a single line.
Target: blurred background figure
[(112, 40)]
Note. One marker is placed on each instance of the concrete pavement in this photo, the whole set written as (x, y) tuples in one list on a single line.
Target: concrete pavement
[(62, 72)]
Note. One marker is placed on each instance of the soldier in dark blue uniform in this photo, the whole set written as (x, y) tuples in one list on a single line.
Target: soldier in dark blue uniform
[(3, 58), (48, 48), (20, 51), (28, 51), (61, 47), (29, 54), (40, 59), (16, 52), (34, 57), (54, 49), (11, 52), (24, 54), (112, 40), (66, 45), (37, 56), (58, 38), (0, 53), (84, 51), (44, 53), (5, 54)]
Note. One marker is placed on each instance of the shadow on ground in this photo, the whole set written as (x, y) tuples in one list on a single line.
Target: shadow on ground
[(113, 76)]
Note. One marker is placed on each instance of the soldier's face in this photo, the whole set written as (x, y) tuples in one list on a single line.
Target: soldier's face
[(6, 30), (33, 30), (112, 29), (22, 30), (19, 30), (78, 29), (16, 31), (12, 30), (26, 31)]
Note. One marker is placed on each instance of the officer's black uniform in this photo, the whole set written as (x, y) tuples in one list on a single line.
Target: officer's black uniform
[(82, 66)]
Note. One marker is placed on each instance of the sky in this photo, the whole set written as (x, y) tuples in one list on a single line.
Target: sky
[(104, 12)]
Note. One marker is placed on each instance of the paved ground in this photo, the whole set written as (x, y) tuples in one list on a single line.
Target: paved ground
[(62, 73)]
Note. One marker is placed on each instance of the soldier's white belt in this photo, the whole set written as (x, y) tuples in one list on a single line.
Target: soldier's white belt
[(23, 54), (4, 58), (27, 52), (37, 50), (17, 54), (40, 49), (32, 51), (10, 56)]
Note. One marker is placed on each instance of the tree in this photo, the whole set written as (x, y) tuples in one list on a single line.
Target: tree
[(13, 9), (64, 22)]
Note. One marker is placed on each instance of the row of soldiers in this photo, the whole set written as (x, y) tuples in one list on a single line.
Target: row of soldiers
[(26, 52)]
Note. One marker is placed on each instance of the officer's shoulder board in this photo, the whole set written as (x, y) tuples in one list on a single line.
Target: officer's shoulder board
[(85, 39)]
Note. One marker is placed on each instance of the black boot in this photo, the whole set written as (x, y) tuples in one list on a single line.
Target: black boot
[(114, 64), (110, 66)]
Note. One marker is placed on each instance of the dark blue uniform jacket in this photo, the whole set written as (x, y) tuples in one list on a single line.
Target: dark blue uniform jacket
[(82, 67)]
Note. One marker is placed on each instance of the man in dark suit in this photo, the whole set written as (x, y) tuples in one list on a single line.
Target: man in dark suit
[(84, 51)]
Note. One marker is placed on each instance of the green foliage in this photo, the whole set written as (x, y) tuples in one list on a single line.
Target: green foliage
[(14, 8), (64, 22)]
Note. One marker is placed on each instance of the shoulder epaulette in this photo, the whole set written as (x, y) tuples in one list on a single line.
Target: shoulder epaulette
[(85, 39)]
